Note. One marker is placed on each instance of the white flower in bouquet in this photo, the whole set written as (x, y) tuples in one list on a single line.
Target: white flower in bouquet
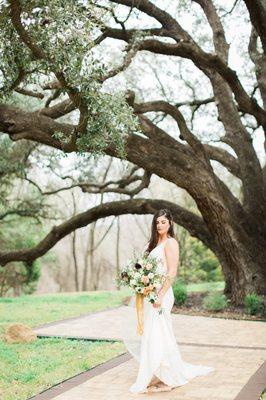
[(145, 279), (152, 297), (148, 266), (144, 275)]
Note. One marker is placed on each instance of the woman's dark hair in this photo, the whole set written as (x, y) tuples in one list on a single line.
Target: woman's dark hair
[(154, 233)]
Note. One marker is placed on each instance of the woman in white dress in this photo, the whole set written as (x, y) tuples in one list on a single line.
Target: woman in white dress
[(161, 367)]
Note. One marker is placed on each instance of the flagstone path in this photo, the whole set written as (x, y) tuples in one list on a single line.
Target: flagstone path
[(237, 350)]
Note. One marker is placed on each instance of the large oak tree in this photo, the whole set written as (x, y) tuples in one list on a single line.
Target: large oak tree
[(37, 44)]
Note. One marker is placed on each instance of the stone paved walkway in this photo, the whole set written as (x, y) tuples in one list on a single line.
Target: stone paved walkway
[(235, 348)]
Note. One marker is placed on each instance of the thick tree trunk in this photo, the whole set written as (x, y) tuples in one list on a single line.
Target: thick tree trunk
[(241, 256), (241, 279)]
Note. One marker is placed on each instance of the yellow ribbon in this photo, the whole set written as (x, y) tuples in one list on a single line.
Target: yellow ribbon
[(139, 307)]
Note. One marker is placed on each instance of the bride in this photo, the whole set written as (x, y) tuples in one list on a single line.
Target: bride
[(161, 367)]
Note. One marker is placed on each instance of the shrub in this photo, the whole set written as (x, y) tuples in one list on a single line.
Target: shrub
[(180, 292), (198, 263), (215, 301), (19, 278), (253, 304), (198, 275)]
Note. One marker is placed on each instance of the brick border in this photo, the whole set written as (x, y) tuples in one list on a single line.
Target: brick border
[(78, 379), (91, 339), (254, 386), (95, 339), (250, 391)]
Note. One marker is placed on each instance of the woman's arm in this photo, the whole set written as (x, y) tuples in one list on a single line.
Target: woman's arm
[(172, 260)]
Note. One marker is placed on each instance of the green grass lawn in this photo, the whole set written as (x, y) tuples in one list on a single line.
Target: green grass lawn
[(27, 369), (33, 310), (205, 286)]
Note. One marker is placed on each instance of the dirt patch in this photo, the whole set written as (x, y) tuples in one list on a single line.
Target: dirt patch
[(193, 306)]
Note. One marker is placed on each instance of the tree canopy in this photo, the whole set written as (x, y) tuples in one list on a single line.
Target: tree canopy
[(49, 52)]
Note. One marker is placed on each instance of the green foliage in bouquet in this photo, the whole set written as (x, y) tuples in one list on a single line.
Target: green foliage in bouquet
[(144, 275)]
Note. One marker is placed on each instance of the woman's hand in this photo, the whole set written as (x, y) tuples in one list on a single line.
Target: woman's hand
[(158, 302)]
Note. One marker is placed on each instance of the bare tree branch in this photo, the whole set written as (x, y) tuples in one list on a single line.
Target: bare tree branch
[(169, 109), (105, 187), (193, 223), (30, 93), (220, 44), (204, 61), (257, 12), (58, 110)]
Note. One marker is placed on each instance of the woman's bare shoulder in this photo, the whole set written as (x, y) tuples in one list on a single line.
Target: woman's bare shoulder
[(172, 239), (172, 242)]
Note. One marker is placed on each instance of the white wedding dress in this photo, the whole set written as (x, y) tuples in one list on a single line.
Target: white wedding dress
[(156, 350)]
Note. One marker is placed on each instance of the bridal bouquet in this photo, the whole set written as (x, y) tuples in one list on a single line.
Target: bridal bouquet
[(145, 276)]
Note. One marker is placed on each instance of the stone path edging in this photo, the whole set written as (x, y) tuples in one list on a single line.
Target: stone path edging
[(254, 386), (76, 380), (250, 391), (93, 339)]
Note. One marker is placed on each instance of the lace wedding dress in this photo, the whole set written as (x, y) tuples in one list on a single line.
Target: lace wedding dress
[(156, 350)]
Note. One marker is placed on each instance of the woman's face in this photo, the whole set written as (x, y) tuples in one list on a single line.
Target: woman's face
[(162, 225)]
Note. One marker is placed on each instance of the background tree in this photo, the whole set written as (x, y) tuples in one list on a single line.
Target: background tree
[(20, 211), (34, 52)]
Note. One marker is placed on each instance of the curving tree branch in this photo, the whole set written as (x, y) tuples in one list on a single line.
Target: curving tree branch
[(192, 222), (185, 48), (120, 186)]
